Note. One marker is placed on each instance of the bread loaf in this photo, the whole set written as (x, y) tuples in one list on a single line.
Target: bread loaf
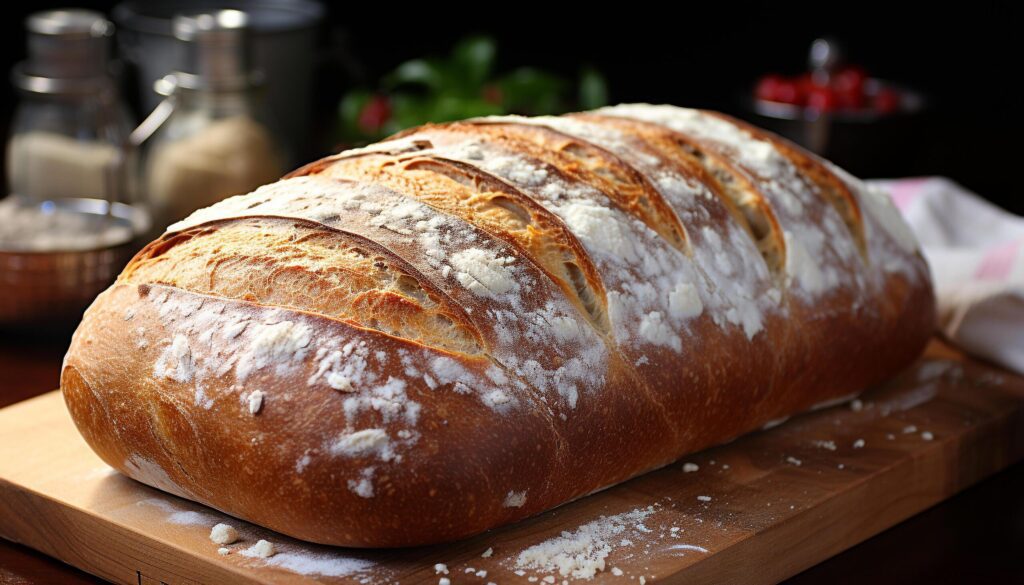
[(471, 323)]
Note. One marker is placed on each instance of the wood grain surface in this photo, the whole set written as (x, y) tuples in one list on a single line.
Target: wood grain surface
[(780, 501)]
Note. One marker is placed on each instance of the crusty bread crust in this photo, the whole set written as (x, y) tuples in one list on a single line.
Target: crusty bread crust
[(471, 323)]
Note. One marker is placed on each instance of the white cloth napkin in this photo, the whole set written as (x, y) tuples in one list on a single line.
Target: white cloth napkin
[(976, 253)]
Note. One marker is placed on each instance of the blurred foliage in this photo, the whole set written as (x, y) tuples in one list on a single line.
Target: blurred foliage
[(462, 85)]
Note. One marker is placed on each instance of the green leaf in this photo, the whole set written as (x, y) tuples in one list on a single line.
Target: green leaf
[(438, 90), (415, 110), (425, 72), (472, 60), (531, 91), (593, 92), (451, 108), (411, 110)]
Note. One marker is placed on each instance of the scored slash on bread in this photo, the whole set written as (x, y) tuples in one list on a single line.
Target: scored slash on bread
[(471, 323)]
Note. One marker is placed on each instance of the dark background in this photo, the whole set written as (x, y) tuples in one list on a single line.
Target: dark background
[(967, 61)]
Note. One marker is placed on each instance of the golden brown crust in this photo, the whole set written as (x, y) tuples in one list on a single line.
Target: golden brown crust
[(624, 187), (471, 323), (297, 264), (736, 190), (502, 210)]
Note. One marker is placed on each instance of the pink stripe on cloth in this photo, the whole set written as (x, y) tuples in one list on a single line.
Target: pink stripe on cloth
[(905, 191), (998, 261)]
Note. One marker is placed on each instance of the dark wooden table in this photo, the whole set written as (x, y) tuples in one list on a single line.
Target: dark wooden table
[(976, 537)]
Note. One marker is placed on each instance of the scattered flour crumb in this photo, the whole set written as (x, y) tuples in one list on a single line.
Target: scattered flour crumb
[(339, 382), (440, 568), (223, 534), (690, 467), (548, 579), (255, 401), (704, 498), (793, 461), (927, 436), (829, 445), (222, 551), (909, 429), (444, 581), (515, 499), (856, 405), (642, 580), (262, 549), (890, 437), (481, 573), (361, 443), (487, 553), (616, 571), (858, 444), (364, 486), (581, 553)]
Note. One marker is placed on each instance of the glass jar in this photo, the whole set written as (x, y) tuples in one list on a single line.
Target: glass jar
[(209, 139), (69, 131), (212, 145)]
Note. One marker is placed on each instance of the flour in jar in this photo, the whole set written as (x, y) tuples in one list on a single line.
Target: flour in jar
[(228, 157)]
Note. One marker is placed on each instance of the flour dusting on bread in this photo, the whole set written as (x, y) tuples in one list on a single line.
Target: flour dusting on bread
[(484, 272), (277, 345), (364, 442), (176, 361)]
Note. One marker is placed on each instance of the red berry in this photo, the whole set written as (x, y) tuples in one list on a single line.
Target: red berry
[(849, 80), (822, 99), (775, 88), (849, 87), (789, 93), (767, 87), (492, 94), (887, 101), (851, 100), (374, 114), (806, 83)]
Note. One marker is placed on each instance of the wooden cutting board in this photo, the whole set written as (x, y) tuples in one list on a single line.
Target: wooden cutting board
[(757, 510)]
